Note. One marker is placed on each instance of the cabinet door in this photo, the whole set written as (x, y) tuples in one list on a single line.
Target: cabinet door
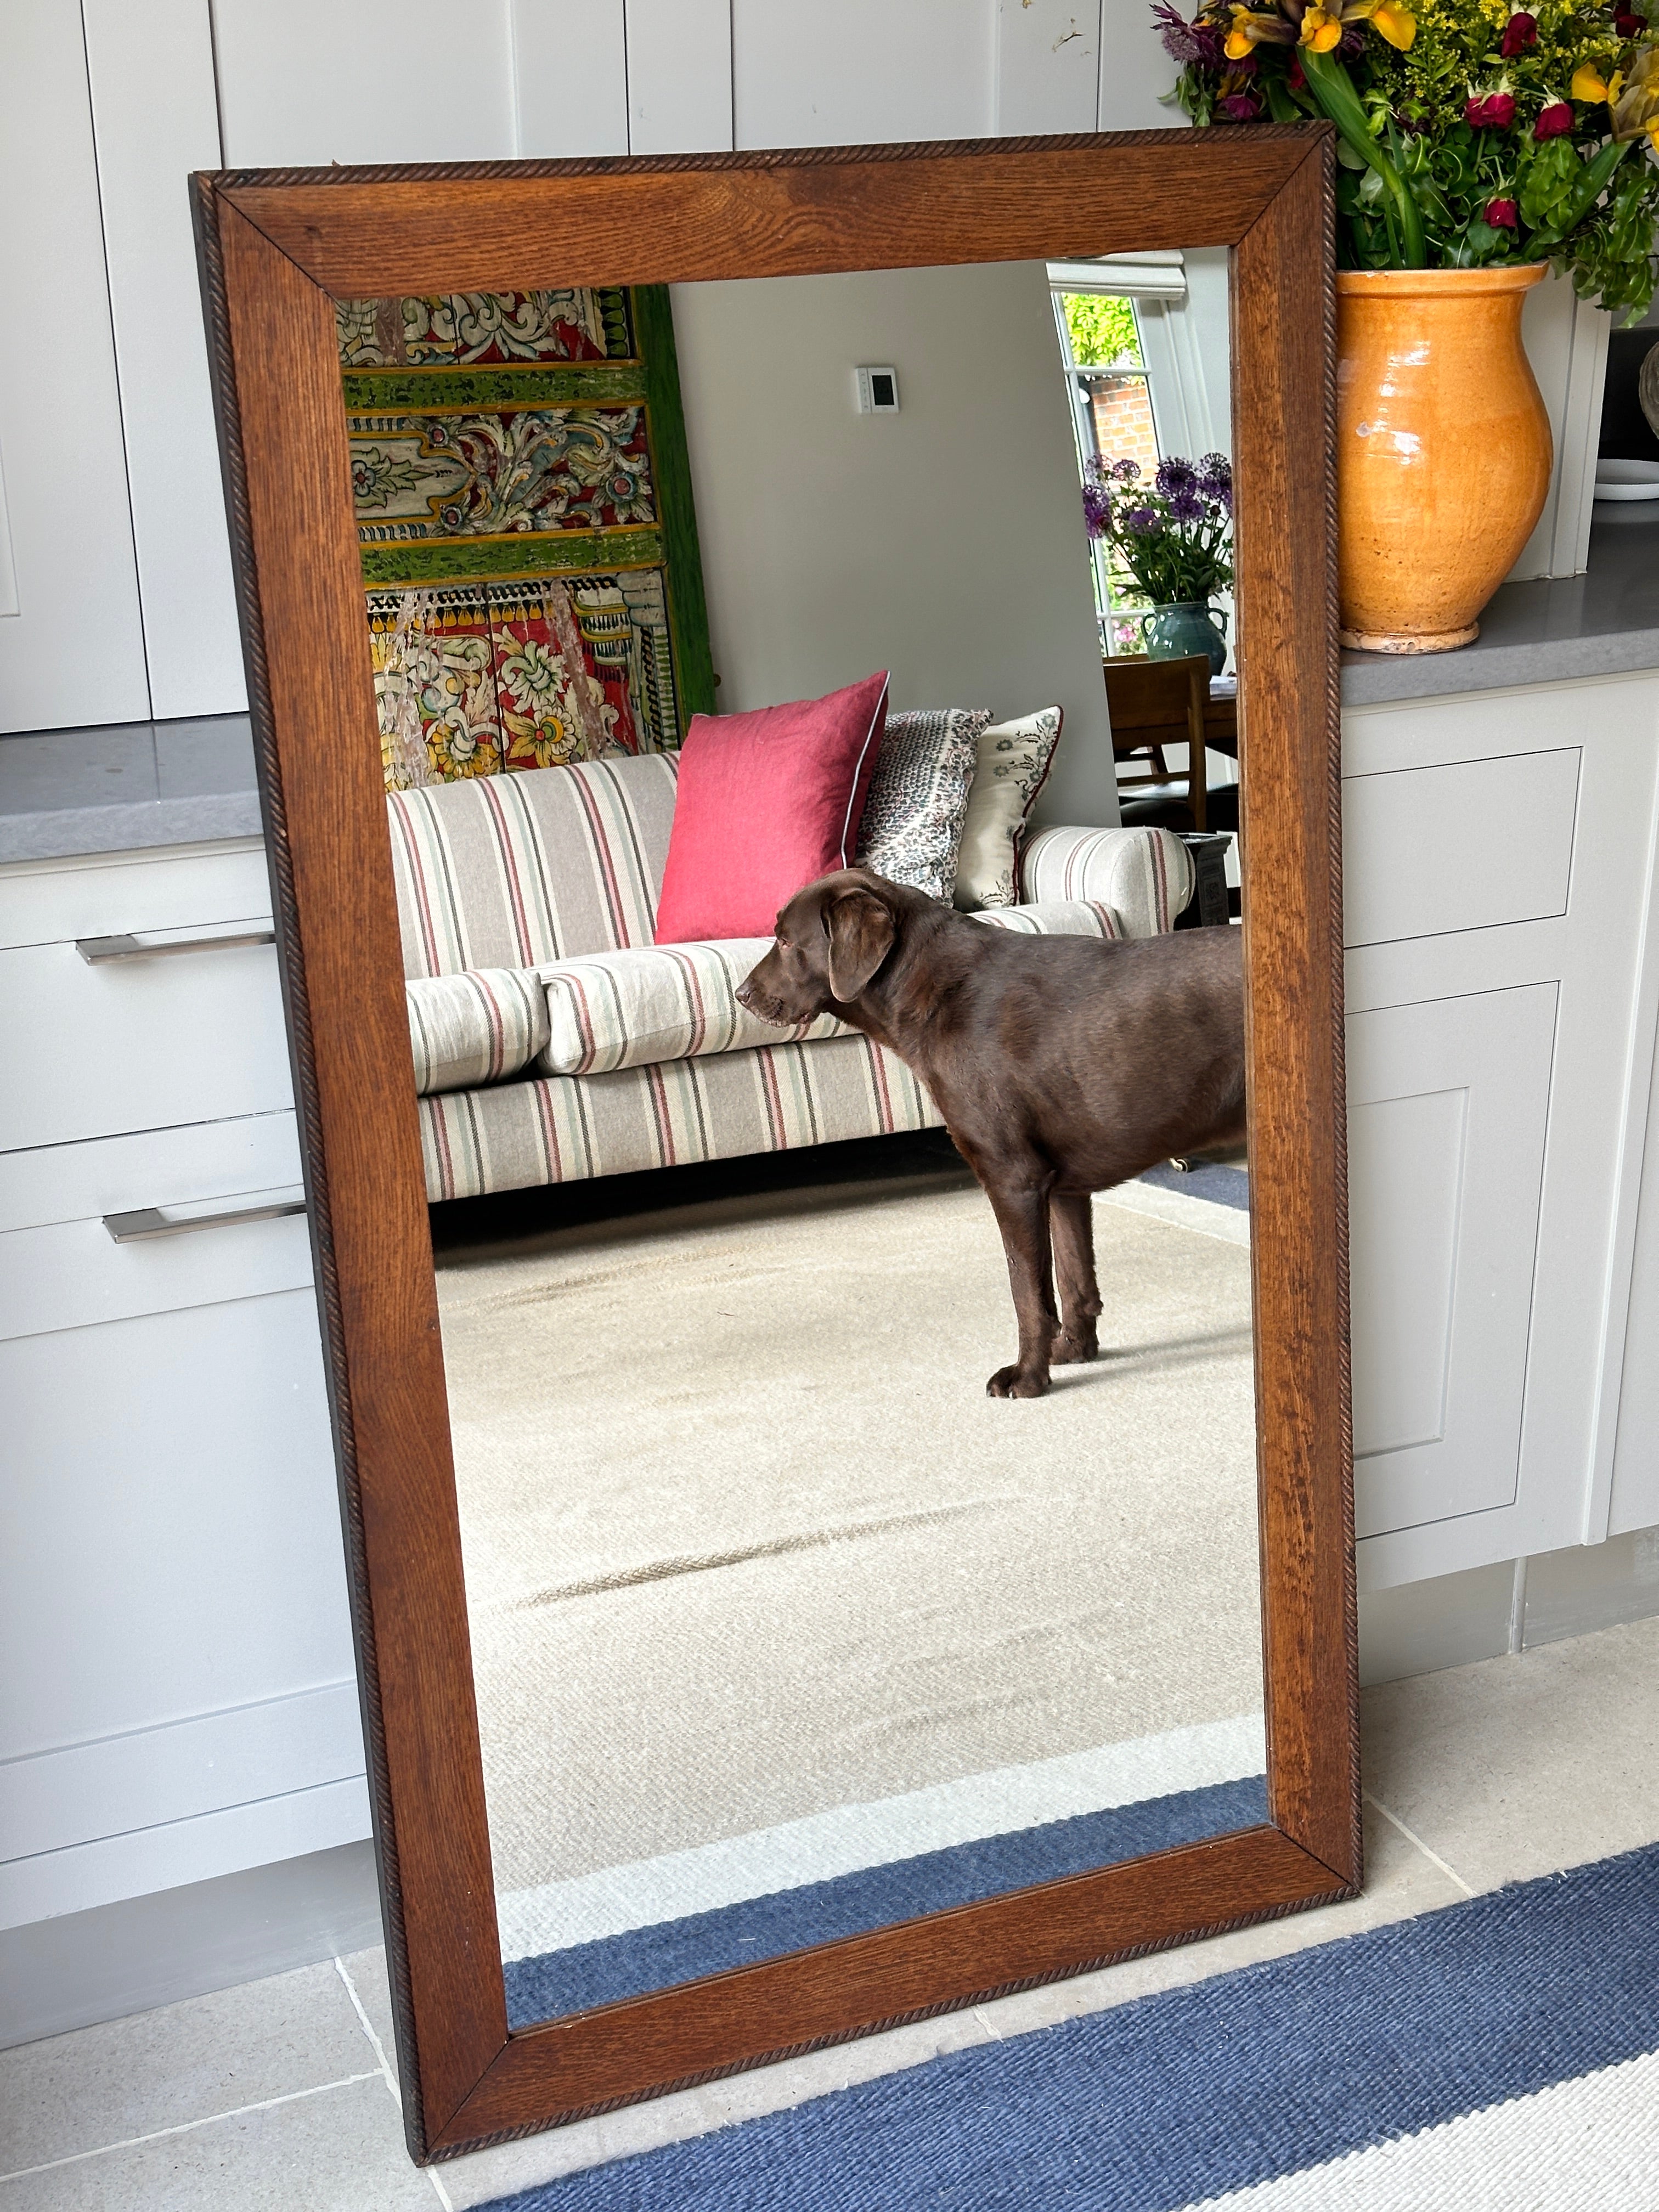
[(174, 1622), (70, 646), (1448, 1103)]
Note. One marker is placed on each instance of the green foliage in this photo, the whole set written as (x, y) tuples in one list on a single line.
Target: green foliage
[(1103, 330), (1440, 136)]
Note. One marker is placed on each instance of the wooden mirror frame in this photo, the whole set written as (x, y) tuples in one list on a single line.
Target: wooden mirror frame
[(277, 248)]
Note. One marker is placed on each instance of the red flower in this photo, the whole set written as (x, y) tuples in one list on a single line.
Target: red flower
[(1502, 214), (1520, 33), (1556, 118), (1491, 110), (1296, 77), (1629, 26)]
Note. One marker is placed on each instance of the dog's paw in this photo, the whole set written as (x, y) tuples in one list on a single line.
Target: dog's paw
[(1070, 1348), (1016, 1382)]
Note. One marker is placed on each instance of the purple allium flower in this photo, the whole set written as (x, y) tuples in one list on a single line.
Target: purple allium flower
[(1215, 476), (1176, 476), (1185, 43), (1097, 509), (1139, 520), (1187, 507), (1124, 471)]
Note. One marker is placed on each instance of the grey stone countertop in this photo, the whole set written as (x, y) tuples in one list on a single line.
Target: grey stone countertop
[(128, 785), (1604, 623)]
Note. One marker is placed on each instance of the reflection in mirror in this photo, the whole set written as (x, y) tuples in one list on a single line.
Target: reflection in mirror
[(783, 1628)]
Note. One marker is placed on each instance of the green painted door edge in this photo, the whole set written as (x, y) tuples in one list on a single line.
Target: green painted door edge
[(688, 609)]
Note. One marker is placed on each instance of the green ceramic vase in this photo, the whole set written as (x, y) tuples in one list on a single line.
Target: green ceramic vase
[(1187, 629)]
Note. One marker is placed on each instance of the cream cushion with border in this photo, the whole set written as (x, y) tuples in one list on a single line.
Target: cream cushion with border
[(1014, 759)]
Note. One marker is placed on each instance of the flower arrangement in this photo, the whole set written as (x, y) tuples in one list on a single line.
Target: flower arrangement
[(1471, 131), (1173, 536)]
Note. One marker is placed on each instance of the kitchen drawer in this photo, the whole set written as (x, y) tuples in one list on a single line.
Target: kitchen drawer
[(139, 1044), (52, 902), (176, 1549), (152, 1167), (1462, 845), (69, 1274)]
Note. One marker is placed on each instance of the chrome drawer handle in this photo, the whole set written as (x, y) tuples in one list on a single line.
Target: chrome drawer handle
[(97, 950), (149, 1221)]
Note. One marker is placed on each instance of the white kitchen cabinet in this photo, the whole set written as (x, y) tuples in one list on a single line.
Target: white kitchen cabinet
[(71, 646), (1498, 853), (181, 1698)]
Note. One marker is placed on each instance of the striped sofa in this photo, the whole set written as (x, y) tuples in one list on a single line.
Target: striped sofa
[(551, 1040)]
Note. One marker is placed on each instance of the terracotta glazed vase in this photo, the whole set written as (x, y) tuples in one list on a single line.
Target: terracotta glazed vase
[(1444, 451)]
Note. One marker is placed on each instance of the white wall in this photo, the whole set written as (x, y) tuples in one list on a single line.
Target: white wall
[(944, 542)]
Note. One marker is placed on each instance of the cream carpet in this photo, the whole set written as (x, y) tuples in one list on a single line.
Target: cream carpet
[(746, 1544)]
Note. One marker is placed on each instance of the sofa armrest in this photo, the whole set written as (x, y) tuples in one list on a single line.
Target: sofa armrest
[(1053, 917), (1145, 876)]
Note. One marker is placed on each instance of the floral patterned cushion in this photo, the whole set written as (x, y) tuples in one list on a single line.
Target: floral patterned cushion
[(1014, 758), (918, 797)]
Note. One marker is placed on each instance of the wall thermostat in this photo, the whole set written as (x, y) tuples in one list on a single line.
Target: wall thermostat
[(877, 390)]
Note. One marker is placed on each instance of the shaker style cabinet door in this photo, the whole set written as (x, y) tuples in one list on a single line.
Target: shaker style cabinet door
[(71, 649), (1446, 1108)]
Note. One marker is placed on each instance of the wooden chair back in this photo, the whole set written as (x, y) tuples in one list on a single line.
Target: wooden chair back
[(1154, 703)]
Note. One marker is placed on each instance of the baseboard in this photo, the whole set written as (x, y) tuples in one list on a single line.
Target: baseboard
[(83, 1967), (1450, 1621), (1591, 1586), (1483, 1613)]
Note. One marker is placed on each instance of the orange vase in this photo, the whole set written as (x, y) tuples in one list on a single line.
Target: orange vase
[(1444, 451)]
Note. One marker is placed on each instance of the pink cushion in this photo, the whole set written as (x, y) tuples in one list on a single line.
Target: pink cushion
[(768, 801)]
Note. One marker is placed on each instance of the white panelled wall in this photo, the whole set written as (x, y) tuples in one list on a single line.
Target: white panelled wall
[(180, 1703)]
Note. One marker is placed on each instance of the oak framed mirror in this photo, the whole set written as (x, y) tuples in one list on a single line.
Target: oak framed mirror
[(738, 1676)]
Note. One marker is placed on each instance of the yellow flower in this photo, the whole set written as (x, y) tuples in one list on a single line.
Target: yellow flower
[(1589, 84), (1397, 25), (1250, 28), (1321, 29)]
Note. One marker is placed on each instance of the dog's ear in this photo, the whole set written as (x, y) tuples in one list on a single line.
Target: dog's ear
[(859, 927)]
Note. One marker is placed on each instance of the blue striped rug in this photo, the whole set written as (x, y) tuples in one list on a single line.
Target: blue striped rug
[(655, 1957), (1503, 2052)]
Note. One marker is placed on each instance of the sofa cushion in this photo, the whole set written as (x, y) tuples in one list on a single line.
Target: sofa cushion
[(918, 797), (768, 801), (509, 871), (657, 1002), (1145, 876), (474, 1028), (1013, 764)]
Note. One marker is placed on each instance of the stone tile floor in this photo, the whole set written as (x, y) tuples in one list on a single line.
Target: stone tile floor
[(283, 2093)]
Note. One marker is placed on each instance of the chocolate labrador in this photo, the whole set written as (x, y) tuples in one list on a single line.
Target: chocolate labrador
[(1061, 1065)]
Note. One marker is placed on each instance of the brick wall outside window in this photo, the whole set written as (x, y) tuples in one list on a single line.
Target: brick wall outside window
[(1123, 420)]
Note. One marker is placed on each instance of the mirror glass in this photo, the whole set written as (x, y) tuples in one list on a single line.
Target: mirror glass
[(783, 1627)]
